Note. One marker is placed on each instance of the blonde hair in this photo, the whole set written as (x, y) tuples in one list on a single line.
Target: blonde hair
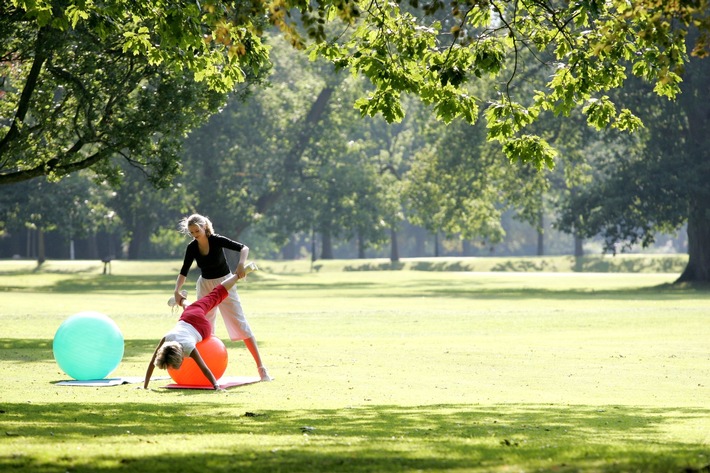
[(199, 220), (170, 354)]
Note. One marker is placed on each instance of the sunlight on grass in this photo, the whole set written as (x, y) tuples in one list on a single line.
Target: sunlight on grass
[(376, 370)]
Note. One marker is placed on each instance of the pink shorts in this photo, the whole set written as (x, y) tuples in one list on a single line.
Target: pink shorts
[(195, 313)]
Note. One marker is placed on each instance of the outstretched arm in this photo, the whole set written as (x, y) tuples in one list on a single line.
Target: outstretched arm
[(243, 255), (178, 285), (238, 274), (151, 365), (195, 355)]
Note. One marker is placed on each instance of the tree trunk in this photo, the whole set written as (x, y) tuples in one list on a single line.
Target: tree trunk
[(419, 242), (92, 246), (698, 268), (41, 251), (291, 163), (288, 252), (541, 235), (394, 249), (31, 84), (314, 255), (578, 246), (30, 249), (694, 101), (134, 248), (360, 247), (140, 238), (326, 251)]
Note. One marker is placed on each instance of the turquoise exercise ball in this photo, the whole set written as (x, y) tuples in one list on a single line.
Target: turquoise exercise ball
[(88, 345)]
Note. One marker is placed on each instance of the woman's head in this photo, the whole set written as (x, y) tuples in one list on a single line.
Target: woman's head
[(196, 221), (169, 355)]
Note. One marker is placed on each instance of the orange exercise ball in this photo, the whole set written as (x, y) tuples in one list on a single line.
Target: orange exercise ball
[(213, 352)]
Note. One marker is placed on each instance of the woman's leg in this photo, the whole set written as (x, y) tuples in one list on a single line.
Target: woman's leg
[(238, 329), (204, 287), (254, 350)]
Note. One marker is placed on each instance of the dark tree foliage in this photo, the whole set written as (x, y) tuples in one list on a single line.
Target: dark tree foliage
[(77, 92), (659, 183), (86, 82)]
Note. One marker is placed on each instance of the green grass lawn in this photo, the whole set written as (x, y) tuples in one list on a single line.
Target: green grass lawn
[(434, 365)]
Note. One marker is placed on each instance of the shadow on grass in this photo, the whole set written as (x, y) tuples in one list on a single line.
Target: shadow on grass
[(99, 284), (80, 280), (89, 268), (364, 439), (470, 288), (465, 287), (660, 292), (25, 350)]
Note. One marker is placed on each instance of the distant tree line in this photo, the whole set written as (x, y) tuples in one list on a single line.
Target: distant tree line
[(472, 126), (296, 172)]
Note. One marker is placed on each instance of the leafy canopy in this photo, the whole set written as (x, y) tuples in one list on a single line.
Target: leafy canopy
[(89, 84), (434, 50)]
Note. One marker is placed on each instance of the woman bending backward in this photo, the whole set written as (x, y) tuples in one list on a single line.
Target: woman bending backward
[(192, 328)]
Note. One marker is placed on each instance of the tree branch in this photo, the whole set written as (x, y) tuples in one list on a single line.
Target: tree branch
[(54, 167), (40, 57)]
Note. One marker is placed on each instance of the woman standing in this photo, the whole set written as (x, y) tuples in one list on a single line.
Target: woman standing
[(207, 249)]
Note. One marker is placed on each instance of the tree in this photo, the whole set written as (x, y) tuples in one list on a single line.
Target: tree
[(460, 185), (588, 47), (269, 162), (89, 84), (53, 53), (244, 159), (326, 179), (76, 207), (143, 210), (658, 181), (581, 150)]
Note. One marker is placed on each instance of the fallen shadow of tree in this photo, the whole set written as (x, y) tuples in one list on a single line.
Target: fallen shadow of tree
[(362, 439)]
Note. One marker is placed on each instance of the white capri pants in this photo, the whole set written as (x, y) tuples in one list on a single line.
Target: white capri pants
[(230, 308)]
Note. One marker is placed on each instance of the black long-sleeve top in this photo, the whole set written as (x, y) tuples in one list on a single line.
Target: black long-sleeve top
[(214, 264)]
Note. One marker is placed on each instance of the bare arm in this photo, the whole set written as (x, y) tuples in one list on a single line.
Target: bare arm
[(243, 254), (195, 355), (178, 285), (240, 272), (151, 366)]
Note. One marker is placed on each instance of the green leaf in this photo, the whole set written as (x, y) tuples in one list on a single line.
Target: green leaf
[(529, 149), (75, 14), (600, 112)]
